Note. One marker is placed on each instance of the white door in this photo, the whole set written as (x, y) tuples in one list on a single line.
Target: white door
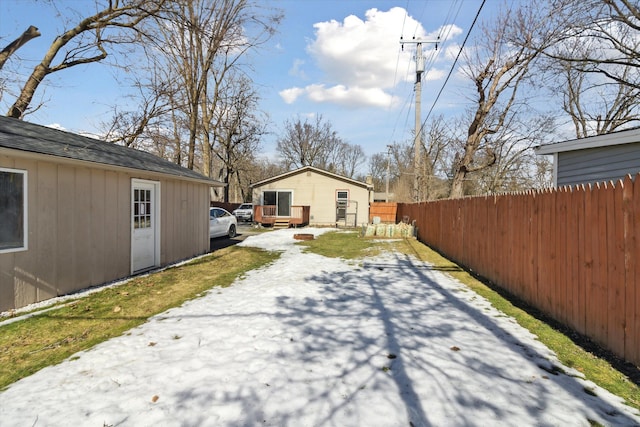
[(144, 227)]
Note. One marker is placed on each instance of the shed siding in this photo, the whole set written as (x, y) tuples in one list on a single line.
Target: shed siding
[(80, 229), (598, 164), (319, 192)]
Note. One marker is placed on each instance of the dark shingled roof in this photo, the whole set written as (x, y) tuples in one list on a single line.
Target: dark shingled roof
[(20, 135)]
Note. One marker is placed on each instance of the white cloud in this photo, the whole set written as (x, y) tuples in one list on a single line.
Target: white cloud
[(362, 60), (362, 53), (296, 70), (445, 32), (434, 74), (290, 95), (351, 96)]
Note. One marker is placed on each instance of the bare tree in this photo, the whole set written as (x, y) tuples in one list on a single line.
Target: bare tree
[(516, 166), (436, 144), (238, 128), (401, 171), (139, 128), (186, 99), (378, 170), (597, 36), (308, 143), (497, 69), (190, 36), (596, 105), (346, 159), (86, 43), (201, 40)]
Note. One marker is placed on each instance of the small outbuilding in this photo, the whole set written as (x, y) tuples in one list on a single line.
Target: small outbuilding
[(594, 159), (78, 212), (312, 196)]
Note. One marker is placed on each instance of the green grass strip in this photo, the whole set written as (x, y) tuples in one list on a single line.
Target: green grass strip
[(45, 339)]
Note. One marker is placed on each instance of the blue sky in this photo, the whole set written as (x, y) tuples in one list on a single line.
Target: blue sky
[(338, 58)]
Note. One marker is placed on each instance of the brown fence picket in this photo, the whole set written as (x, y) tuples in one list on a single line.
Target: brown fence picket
[(615, 268), (577, 232)]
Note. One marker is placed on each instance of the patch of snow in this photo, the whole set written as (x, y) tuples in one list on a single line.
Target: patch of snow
[(316, 341)]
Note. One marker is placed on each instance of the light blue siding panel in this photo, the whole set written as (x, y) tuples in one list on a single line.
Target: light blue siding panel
[(598, 164)]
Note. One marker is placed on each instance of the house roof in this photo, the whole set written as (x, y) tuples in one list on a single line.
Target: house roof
[(316, 170), (627, 136), (28, 137)]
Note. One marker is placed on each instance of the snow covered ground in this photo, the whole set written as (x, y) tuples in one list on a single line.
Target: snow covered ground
[(315, 341)]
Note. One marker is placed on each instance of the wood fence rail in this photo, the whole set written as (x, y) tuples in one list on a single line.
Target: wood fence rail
[(573, 253)]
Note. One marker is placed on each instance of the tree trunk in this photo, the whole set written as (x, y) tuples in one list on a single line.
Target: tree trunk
[(26, 95)]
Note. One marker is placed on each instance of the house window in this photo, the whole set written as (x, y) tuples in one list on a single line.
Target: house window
[(342, 197), (13, 210)]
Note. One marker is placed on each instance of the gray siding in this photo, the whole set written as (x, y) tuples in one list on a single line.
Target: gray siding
[(598, 164)]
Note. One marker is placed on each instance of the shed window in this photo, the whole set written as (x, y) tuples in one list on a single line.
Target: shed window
[(141, 208), (13, 210)]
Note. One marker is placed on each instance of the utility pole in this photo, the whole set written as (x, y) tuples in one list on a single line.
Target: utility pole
[(388, 171), (418, 120)]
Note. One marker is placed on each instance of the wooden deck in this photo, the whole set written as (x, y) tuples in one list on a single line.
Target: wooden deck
[(267, 215)]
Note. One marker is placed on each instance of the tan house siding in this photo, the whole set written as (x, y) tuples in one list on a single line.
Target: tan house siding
[(79, 227), (184, 233), (319, 191)]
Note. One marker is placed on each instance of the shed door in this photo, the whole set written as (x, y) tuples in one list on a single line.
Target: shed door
[(144, 226)]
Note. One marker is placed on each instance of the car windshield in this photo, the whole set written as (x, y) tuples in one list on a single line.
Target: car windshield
[(245, 206)]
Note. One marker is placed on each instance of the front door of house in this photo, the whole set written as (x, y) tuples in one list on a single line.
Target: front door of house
[(280, 199), (144, 225), (284, 203)]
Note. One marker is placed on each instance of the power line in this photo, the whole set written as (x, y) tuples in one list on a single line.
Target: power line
[(453, 65)]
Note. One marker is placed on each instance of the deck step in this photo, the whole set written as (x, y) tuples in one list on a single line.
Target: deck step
[(281, 223)]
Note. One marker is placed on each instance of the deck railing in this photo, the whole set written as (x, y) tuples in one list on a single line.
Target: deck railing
[(267, 214)]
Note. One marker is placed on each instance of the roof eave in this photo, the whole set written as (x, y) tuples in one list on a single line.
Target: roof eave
[(629, 136), (314, 169), (105, 166)]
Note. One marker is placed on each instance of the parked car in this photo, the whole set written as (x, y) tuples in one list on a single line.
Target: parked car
[(222, 223), (244, 212)]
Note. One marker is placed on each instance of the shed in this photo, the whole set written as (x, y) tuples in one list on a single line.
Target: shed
[(593, 159), (314, 196), (78, 212)]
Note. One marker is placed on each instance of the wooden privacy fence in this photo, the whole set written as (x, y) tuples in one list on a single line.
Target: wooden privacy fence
[(386, 211), (573, 253)]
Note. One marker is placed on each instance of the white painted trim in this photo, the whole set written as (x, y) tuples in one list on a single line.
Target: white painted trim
[(155, 221), (616, 138), (25, 207)]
